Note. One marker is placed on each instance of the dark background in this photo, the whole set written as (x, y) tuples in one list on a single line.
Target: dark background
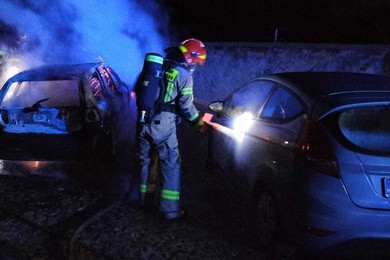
[(122, 32), (315, 21)]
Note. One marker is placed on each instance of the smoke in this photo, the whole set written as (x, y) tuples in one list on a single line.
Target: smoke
[(120, 32)]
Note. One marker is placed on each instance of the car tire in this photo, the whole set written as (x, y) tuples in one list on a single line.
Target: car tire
[(266, 220)]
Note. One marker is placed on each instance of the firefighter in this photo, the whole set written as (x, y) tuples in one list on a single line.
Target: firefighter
[(160, 133)]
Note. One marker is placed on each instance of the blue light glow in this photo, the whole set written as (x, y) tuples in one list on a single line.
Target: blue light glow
[(119, 32)]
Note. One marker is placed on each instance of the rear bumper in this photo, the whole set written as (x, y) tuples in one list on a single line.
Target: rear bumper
[(326, 206)]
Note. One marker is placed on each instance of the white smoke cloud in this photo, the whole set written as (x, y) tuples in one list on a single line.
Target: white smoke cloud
[(120, 32)]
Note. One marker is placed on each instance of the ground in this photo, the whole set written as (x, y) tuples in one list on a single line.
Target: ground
[(67, 211)]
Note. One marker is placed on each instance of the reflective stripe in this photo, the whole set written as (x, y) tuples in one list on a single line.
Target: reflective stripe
[(203, 57), (183, 48), (187, 91), (154, 58), (171, 74), (196, 115), (143, 188), (168, 95), (170, 195)]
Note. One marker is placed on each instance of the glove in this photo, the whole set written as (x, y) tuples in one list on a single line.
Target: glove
[(201, 122), (202, 127), (197, 121)]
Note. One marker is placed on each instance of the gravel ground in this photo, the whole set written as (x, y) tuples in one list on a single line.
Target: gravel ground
[(73, 212)]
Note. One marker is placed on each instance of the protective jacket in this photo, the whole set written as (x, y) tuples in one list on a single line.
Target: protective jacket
[(179, 94)]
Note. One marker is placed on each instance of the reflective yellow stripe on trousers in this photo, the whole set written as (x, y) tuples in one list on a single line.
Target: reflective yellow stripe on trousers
[(170, 195), (143, 188)]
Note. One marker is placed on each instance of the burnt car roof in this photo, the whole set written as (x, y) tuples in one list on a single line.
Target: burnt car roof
[(53, 72)]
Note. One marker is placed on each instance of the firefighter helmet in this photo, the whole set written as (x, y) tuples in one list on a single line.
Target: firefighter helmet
[(194, 51)]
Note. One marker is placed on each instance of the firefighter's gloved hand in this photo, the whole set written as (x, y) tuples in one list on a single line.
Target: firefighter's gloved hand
[(202, 127), (201, 122)]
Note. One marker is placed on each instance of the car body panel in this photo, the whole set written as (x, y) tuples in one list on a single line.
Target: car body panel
[(370, 172), (324, 209)]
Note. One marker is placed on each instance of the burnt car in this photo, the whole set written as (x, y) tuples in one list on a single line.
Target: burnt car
[(61, 112), (312, 151)]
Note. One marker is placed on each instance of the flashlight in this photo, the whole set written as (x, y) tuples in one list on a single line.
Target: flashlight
[(242, 124)]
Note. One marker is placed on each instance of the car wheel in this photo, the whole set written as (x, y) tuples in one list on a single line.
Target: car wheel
[(266, 220)]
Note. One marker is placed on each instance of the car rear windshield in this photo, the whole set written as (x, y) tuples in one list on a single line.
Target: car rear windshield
[(367, 127), (60, 93)]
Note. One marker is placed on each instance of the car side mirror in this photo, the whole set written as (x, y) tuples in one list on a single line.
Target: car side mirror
[(217, 107)]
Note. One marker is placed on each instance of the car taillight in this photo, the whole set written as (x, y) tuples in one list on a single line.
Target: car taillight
[(315, 152)]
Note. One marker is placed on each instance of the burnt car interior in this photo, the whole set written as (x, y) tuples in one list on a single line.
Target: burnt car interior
[(56, 93)]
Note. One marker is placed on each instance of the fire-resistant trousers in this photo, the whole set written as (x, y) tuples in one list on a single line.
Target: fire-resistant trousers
[(161, 134)]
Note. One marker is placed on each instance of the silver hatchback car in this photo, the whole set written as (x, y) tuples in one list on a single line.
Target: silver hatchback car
[(312, 149)]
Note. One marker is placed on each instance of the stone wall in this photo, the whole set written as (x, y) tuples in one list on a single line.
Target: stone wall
[(228, 65)]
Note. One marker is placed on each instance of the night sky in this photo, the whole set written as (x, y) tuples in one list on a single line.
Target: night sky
[(316, 21)]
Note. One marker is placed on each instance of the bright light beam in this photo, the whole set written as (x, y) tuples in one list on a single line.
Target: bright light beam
[(241, 125)]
